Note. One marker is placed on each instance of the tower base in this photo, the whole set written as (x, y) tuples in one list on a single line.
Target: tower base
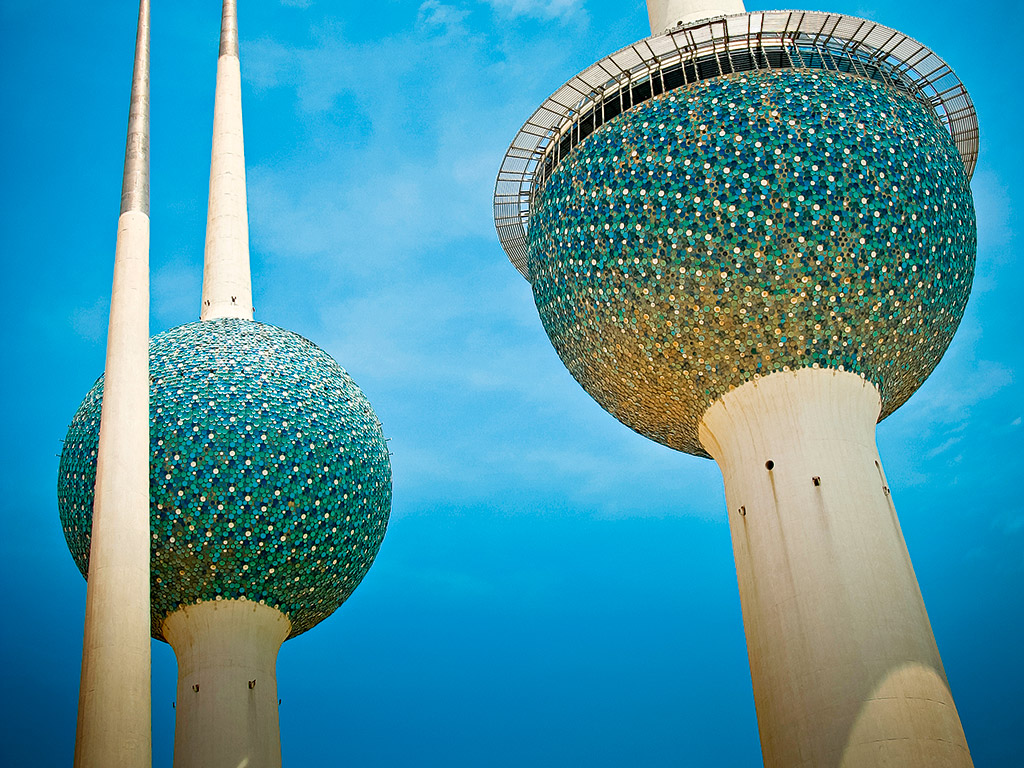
[(227, 707), (843, 661)]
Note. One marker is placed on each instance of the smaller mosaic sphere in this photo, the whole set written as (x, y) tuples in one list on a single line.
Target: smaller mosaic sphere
[(269, 477), (749, 224)]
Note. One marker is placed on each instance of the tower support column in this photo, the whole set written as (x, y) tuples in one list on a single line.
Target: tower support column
[(844, 665), (226, 713)]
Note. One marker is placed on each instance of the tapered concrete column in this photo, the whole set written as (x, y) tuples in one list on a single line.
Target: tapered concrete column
[(114, 728), (227, 286), (666, 14), (226, 711), (844, 665)]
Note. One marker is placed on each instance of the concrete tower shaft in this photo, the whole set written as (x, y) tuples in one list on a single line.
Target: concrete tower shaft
[(666, 14), (750, 237), (227, 706), (843, 661), (227, 284), (114, 698)]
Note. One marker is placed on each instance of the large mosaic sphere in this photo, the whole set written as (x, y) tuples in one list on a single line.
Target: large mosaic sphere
[(749, 224), (269, 478)]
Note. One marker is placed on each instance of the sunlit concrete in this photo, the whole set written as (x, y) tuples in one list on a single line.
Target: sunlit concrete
[(910, 692), (226, 712), (844, 665), (114, 697), (666, 14), (114, 725), (227, 284)]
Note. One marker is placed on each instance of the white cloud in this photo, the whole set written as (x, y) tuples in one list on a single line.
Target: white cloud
[(943, 447), (1010, 522), (90, 323), (408, 139), (543, 9), (439, 16), (993, 205)]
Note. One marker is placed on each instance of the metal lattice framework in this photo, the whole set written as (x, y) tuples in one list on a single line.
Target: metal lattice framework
[(708, 49)]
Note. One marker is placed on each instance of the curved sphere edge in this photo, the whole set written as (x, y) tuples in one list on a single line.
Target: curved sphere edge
[(270, 478), (749, 224)]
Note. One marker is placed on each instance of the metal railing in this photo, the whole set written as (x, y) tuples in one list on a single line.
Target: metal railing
[(709, 49)]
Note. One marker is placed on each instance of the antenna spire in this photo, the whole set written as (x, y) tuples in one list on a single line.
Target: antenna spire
[(227, 284), (114, 697), (135, 183)]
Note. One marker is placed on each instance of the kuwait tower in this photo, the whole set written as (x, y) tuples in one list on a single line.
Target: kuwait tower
[(266, 493), (751, 237)]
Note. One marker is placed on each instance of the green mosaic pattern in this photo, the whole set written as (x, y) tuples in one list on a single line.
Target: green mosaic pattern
[(749, 224), (270, 478)]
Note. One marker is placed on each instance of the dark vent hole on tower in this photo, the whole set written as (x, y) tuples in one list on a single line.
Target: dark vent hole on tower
[(769, 465)]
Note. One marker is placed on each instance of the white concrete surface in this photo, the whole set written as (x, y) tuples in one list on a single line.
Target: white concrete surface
[(666, 14), (114, 725), (114, 697), (226, 712), (227, 285), (844, 665)]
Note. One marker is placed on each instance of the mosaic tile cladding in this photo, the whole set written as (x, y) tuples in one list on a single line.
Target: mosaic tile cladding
[(751, 224), (270, 478)]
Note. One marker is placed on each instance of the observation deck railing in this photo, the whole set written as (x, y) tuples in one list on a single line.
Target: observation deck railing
[(710, 49)]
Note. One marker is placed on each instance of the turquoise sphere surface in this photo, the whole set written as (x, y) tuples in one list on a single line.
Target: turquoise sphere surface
[(749, 224), (270, 478)]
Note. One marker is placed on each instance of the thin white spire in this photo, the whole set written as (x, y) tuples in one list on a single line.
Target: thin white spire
[(114, 729), (227, 285)]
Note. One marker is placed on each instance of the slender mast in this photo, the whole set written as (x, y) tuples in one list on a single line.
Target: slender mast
[(227, 705), (227, 286), (114, 729)]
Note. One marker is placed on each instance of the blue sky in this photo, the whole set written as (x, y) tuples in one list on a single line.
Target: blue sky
[(554, 589)]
